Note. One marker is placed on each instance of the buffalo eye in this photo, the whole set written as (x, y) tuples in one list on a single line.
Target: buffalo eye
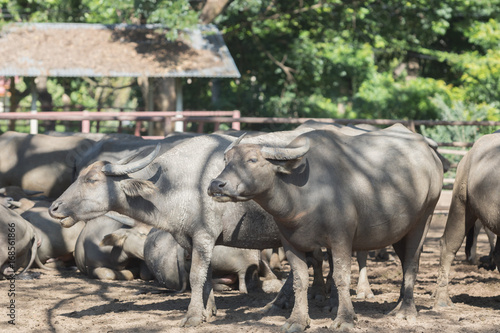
[(252, 160), (90, 180)]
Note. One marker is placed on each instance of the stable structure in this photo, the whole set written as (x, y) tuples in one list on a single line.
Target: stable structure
[(98, 50)]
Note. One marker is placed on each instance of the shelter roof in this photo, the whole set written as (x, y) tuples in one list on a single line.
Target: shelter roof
[(98, 50)]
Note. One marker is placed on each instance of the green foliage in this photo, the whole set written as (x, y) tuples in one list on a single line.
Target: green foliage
[(384, 97), (313, 58)]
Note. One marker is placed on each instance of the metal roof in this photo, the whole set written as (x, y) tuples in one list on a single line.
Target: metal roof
[(98, 50)]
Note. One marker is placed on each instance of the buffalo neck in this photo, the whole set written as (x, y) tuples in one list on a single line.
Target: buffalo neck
[(283, 201)]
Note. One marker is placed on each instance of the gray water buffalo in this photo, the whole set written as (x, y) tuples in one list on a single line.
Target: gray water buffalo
[(113, 149), (18, 241), (54, 241), (169, 192), (475, 197), (170, 263), (345, 193), (98, 258), (40, 162)]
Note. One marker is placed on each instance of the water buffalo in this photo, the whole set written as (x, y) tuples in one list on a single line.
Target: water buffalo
[(169, 192), (170, 263), (345, 193), (475, 197), (54, 241), (40, 162), (99, 258), (18, 241)]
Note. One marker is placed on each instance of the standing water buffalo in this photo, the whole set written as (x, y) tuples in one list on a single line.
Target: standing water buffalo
[(169, 192), (345, 193), (475, 197)]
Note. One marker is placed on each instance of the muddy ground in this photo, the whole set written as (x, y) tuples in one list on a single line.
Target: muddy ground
[(66, 301)]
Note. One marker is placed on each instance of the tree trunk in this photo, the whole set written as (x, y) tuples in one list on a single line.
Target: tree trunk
[(211, 10)]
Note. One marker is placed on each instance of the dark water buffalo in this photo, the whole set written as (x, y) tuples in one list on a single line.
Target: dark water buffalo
[(475, 197), (345, 193), (18, 241), (170, 263), (40, 162), (169, 193)]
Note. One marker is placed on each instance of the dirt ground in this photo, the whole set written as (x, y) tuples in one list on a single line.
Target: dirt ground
[(66, 301)]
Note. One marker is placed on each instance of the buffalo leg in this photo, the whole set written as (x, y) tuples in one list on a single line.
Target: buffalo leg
[(408, 250), (299, 319), (363, 290), (202, 305), (318, 287), (460, 221), (342, 277)]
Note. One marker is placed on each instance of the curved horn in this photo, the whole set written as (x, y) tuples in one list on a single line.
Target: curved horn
[(120, 170), (234, 143), (120, 218), (285, 154)]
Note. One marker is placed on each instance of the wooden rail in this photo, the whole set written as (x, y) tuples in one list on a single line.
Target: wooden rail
[(168, 117)]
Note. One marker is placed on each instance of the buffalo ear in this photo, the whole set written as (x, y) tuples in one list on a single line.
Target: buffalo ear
[(289, 166), (137, 187)]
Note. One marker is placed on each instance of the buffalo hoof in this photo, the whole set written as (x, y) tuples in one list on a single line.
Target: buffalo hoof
[(363, 295), (191, 321), (342, 324), (292, 326), (407, 312), (443, 300)]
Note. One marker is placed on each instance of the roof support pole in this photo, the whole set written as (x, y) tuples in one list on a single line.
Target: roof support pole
[(179, 125), (34, 98)]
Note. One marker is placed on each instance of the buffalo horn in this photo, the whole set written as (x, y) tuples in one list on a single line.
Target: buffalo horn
[(284, 154), (120, 170), (234, 143), (121, 218)]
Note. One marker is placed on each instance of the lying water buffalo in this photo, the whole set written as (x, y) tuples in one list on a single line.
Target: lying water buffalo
[(475, 197), (98, 258), (345, 193), (170, 263), (40, 162), (18, 241), (169, 192)]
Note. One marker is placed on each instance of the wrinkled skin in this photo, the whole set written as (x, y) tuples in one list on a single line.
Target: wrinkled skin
[(475, 197), (170, 263), (170, 194), (345, 193)]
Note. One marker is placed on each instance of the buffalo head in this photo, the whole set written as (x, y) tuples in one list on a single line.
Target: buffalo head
[(251, 169), (100, 188)]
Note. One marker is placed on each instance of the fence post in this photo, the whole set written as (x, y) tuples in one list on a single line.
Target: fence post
[(85, 122), (236, 124)]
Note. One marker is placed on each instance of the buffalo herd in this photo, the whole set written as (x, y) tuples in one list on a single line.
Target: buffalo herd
[(225, 210)]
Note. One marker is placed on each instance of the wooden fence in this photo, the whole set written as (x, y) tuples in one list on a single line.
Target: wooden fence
[(234, 118)]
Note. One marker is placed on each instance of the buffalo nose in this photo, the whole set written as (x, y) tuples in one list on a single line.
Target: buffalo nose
[(55, 206), (216, 186)]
